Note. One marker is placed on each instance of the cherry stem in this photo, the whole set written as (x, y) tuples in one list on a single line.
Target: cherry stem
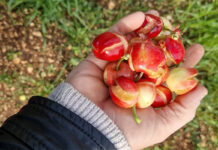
[(139, 77), (175, 37), (137, 119), (125, 57), (167, 29)]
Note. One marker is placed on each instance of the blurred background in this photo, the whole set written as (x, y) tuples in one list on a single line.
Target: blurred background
[(42, 41)]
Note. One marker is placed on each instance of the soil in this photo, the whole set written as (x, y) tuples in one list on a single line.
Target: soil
[(22, 55)]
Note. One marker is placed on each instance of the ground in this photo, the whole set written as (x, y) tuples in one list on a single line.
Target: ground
[(25, 65), (33, 61)]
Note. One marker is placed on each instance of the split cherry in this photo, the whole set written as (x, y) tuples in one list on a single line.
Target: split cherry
[(173, 48), (145, 57), (124, 93), (151, 26), (111, 73), (147, 93), (109, 46), (163, 96), (182, 80)]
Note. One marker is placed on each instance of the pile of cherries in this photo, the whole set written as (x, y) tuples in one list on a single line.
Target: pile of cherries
[(143, 70)]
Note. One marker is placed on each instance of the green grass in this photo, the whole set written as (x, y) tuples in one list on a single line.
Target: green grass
[(82, 20), (200, 24), (12, 54), (6, 78)]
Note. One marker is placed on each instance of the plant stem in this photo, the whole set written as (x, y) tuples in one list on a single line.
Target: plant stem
[(125, 57), (175, 36), (118, 63), (137, 119), (167, 29)]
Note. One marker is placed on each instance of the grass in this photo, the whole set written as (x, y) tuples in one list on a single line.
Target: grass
[(82, 20), (201, 27), (200, 24)]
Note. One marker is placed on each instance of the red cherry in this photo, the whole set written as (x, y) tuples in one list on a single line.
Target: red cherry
[(182, 80), (111, 74), (161, 76), (147, 93), (173, 48), (163, 97), (145, 57), (124, 93), (109, 46), (151, 26)]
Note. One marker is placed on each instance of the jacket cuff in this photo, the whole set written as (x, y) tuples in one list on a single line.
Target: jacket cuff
[(70, 98)]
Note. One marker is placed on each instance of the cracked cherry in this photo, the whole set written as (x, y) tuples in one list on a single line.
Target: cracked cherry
[(109, 46), (145, 57), (111, 74), (182, 80), (124, 93), (163, 96), (151, 26), (160, 77), (147, 93), (173, 48)]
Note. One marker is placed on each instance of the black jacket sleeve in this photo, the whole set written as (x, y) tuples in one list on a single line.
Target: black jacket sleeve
[(45, 125)]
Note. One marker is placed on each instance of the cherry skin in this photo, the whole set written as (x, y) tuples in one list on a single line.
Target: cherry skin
[(109, 46), (147, 93), (163, 96), (173, 48), (182, 80), (151, 26), (160, 77), (145, 57), (111, 74), (124, 93)]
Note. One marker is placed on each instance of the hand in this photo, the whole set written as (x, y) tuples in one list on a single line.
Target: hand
[(157, 124)]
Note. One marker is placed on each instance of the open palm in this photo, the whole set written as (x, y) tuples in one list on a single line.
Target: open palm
[(157, 124)]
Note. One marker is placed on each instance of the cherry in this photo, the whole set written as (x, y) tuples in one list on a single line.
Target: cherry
[(111, 74), (124, 93), (151, 26), (182, 80), (163, 96), (147, 93), (173, 48), (109, 46), (145, 57)]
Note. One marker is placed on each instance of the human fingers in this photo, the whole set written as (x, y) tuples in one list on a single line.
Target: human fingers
[(128, 23), (193, 55), (180, 112)]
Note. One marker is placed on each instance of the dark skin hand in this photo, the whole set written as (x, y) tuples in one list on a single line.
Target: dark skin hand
[(157, 124)]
